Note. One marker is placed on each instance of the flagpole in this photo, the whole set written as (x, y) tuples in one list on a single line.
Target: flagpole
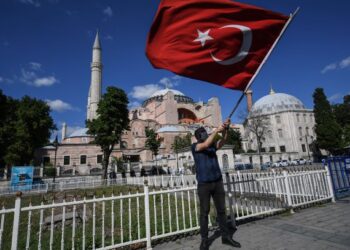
[(263, 62)]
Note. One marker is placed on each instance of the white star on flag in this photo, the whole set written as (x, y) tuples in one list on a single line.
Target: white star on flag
[(203, 37)]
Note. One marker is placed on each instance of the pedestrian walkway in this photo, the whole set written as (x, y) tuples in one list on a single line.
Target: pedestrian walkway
[(326, 226)]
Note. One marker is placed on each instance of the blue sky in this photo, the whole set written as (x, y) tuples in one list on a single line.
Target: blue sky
[(45, 51)]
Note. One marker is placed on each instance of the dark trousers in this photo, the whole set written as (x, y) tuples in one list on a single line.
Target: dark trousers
[(217, 192)]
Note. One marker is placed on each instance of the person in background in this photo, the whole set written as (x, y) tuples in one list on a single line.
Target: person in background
[(210, 184)]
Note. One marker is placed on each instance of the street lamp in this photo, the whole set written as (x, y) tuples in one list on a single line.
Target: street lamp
[(55, 144)]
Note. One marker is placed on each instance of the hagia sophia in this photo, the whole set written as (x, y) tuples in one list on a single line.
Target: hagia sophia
[(171, 113)]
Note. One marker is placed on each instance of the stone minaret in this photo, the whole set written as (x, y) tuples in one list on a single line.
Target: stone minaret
[(249, 95), (96, 80)]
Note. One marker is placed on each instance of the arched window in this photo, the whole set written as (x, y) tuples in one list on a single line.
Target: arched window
[(278, 119), (123, 145), (300, 131), (304, 117), (269, 133), (307, 131), (280, 134), (298, 118), (225, 161)]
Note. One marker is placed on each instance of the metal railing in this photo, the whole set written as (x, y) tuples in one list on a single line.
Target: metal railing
[(150, 213)]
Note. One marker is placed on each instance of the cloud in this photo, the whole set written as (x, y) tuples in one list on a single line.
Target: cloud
[(170, 82), (337, 65), (144, 91), (329, 67), (345, 63), (31, 2), (45, 81), (29, 75), (335, 97), (134, 104), (35, 66), (59, 105), (108, 37), (108, 11), (6, 80)]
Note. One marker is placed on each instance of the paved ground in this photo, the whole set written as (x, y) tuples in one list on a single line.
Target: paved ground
[(321, 227)]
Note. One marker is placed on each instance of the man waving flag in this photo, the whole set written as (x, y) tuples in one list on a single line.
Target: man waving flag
[(218, 41)]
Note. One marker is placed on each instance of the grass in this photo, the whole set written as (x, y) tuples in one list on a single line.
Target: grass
[(125, 224)]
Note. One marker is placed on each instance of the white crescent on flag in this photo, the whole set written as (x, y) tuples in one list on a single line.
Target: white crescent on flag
[(244, 50)]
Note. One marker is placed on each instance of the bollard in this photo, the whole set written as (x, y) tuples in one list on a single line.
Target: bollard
[(16, 216), (289, 198), (147, 216)]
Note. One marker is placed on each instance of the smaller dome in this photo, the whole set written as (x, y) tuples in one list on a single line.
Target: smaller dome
[(163, 92), (79, 133), (170, 128), (277, 102)]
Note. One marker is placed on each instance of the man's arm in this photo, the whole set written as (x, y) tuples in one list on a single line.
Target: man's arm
[(222, 141), (206, 144)]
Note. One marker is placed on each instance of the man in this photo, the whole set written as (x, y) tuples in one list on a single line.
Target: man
[(210, 183)]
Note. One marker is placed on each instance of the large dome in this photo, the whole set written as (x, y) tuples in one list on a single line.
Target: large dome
[(277, 102), (163, 92), (159, 95)]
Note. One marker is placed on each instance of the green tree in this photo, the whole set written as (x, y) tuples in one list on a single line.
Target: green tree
[(342, 115), (32, 129), (342, 111), (112, 120), (7, 124), (327, 129), (152, 142), (234, 138)]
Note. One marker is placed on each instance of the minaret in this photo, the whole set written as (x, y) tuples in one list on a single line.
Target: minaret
[(249, 95), (96, 80)]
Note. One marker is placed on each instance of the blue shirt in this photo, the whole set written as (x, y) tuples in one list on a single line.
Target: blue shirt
[(207, 165)]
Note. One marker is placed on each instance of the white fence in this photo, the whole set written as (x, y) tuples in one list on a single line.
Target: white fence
[(138, 217)]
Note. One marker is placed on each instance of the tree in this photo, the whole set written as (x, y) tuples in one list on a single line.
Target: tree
[(258, 125), (31, 130), (327, 129), (153, 143), (342, 111), (7, 124), (112, 120), (342, 116), (180, 143), (234, 138)]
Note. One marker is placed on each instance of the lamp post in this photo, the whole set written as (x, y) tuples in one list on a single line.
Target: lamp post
[(55, 144)]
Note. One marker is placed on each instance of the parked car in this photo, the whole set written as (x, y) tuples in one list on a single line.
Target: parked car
[(285, 163), (302, 161), (243, 166), (265, 166), (294, 162), (277, 164)]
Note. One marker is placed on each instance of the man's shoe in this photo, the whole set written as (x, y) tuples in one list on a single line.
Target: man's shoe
[(230, 242), (204, 245)]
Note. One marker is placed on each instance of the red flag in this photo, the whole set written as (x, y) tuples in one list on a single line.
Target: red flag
[(219, 41)]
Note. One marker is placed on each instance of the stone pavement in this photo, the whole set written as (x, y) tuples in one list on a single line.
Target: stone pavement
[(326, 226)]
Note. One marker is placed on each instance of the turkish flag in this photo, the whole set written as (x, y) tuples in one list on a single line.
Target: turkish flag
[(219, 41)]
